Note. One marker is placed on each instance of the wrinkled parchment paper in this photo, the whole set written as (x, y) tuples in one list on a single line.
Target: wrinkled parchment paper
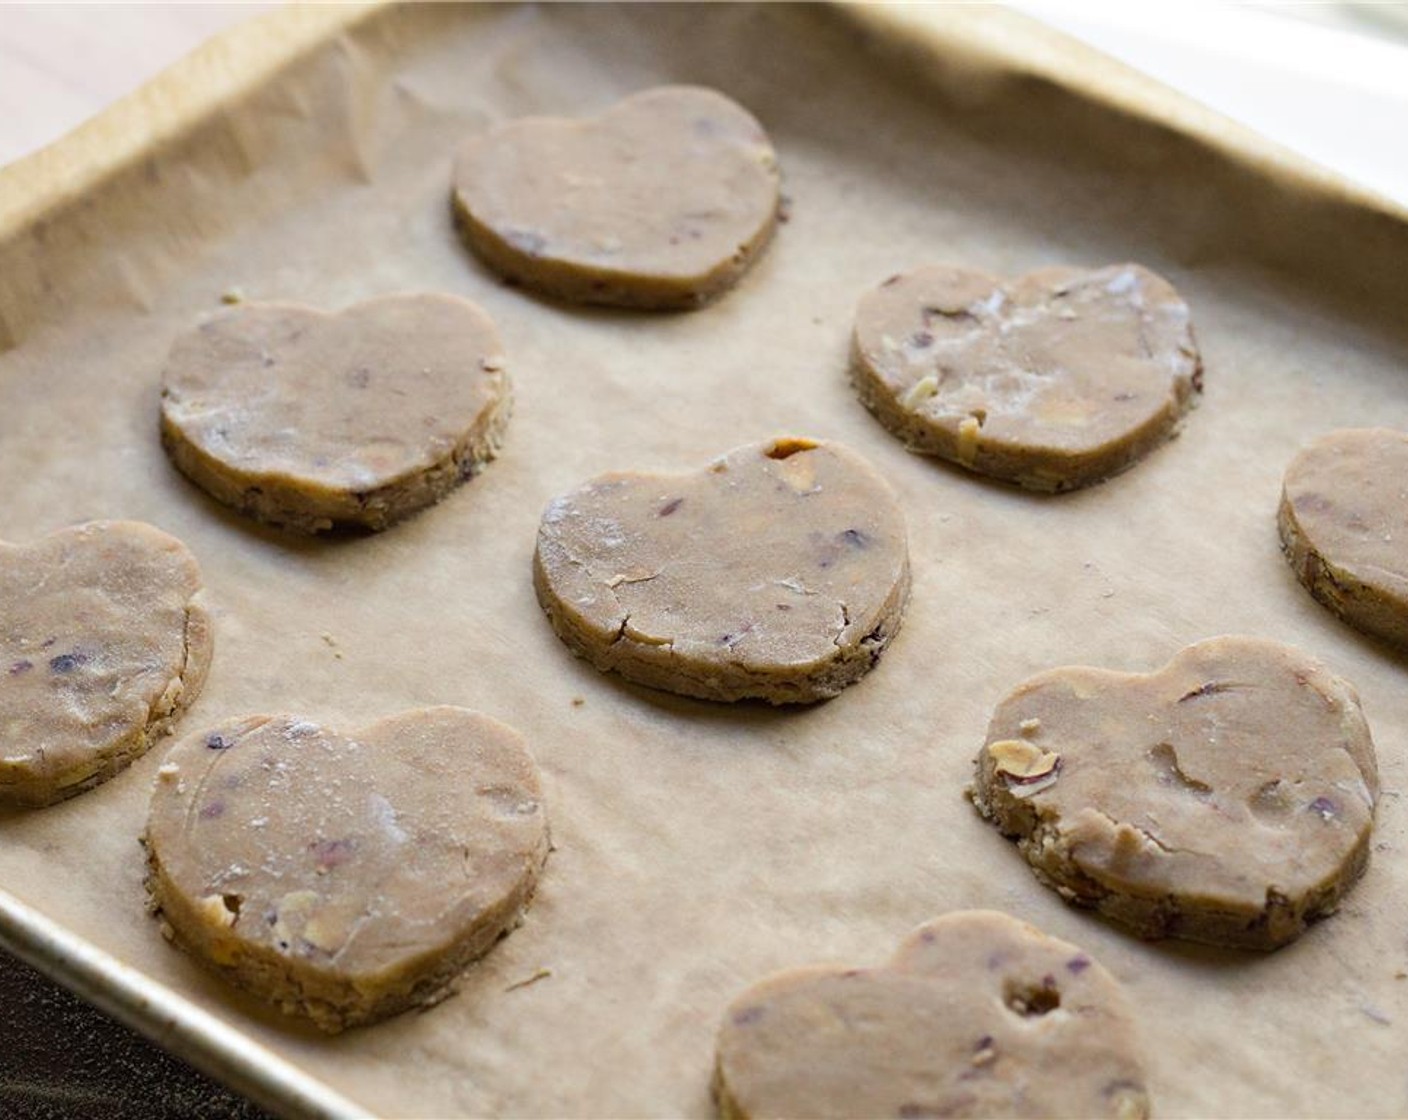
[(700, 847)]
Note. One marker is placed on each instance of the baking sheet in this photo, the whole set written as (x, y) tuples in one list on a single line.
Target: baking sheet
[(700, 847)]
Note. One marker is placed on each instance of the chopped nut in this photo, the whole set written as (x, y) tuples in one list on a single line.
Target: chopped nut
[(215, 910), (167, 771), (921, 391), (232, 295), (1030, 726), (323, 934), (1022, 760), (799, 472), (967, 449), (1027, 768), (295, 910)]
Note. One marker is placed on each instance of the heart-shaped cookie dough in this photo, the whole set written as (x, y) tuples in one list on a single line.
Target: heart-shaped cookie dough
[(1344, 527), (345, 877), (661, 202), (779, 572), (1055, 380), (976, 1015), (103, 644), (314, 421), (1227, 798)]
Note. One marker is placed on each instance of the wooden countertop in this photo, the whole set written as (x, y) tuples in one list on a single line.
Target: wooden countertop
[(62, 63)]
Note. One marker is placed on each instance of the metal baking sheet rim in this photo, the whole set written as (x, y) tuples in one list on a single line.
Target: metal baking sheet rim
[(243, 59)]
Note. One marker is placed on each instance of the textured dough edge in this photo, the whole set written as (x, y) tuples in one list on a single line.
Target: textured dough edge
[(289, 503), (180, 693), (574, 282), (333, 1003), (1037, 469), (1347, 597), (658, 666), (1279, 921)]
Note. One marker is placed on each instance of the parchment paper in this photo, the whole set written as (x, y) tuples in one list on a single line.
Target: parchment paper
[(700, 847)]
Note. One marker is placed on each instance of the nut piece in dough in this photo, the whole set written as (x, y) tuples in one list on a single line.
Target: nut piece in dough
[(104, 642), (779, 572), (976, 1015), (344, 877), (1227, 798), (663, 201), (314, 421), (1344, 527), (1056, 380)]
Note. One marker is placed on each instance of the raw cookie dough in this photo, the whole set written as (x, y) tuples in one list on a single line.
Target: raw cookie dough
[(314, 421), (1344, 527), (778, 572), (663, 201), (104, 643), (977, 1015), (345, 877), (1227, 798), (1055, 380)]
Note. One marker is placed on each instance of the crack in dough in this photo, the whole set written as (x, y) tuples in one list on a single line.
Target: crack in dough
[(1266, 782), (779, 573)]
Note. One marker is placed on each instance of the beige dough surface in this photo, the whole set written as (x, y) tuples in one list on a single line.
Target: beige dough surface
[(778, 572), (662, 201), (976, 1015), (104, 642), (1055, 380), (314, 421), (1227, 798), (345, 877), (1344, 527)]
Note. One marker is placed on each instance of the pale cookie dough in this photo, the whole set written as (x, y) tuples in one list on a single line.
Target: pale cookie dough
[(778, 572), (1227, 798), (977, 1015), (663, 201), (344, 877), (104, 642), (1344, 527), (1055, 380), (314, 421)]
